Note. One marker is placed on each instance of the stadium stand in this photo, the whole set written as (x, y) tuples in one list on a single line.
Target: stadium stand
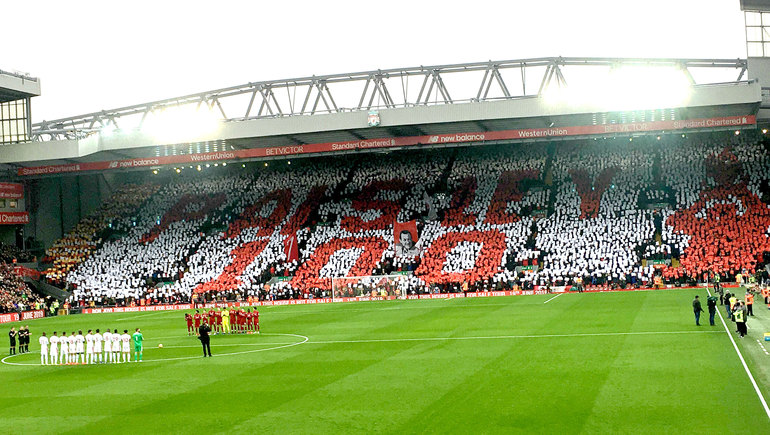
[(78, 244), (11, 254), (15, 295), (604, 212)]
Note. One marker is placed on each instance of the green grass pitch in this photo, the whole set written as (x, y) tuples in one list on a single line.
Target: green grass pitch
[(626, 362)]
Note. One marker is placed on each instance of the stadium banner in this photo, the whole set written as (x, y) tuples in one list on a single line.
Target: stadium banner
[(35, 314), (14, 217), (26, 271), (538, 290), (397, 142), (10, 317), (137, 309), (11, 190)]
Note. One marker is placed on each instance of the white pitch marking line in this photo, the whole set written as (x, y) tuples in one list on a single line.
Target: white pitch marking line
[(763, 347), (281, 346), (142, 315), (549, 300), (743, 361), (225, 345), (502, 337)]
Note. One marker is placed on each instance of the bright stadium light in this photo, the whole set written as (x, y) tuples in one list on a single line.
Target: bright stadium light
[(625, 88), (108, 129), (177, 124), (646, 88)]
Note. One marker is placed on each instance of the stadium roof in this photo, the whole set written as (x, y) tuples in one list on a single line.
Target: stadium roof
[(14, 86), (498, 97)]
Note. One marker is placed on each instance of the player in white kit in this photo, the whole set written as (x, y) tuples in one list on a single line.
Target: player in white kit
[(125, 340), (43, 340), (90, 348), (64, 354), (73, 348), (116, 346), (54, 340), (80, 358), (98, 346), (107, 346)]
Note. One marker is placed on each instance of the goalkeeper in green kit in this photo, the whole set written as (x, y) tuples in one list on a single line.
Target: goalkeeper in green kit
[(137, 337)]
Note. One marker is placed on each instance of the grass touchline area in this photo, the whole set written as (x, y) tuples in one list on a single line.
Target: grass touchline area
[(616, 362)]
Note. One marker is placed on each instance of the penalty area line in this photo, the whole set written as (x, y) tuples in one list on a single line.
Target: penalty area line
[(549, 300)]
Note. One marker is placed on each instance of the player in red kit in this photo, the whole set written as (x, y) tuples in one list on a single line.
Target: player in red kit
[(242, 319), (237, 321), (197, 318), (233, 320), (256, 319), (219, 321), (189, 319), (249, 321), (212, 318)]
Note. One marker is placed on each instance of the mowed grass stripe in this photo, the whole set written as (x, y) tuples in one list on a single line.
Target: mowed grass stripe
[(517, 384), (260, 381), (387, 382)]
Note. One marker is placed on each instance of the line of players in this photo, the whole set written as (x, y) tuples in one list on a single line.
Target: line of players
[(93, 348), (224, 321)]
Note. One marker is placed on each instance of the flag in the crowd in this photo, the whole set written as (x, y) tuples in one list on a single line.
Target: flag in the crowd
[(290, 248), (410, 226)]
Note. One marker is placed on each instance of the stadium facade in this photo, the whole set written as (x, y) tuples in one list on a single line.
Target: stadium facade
[(529, 113)]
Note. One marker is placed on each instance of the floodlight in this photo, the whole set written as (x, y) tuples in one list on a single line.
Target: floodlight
[(625, 88), (108, 129), (634, 87), (176, 124)]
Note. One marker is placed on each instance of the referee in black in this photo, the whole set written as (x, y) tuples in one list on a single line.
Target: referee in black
[(12, 336), (24, 339), (203, 336)]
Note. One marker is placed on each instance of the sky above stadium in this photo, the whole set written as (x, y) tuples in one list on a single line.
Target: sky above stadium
[(95, 55)]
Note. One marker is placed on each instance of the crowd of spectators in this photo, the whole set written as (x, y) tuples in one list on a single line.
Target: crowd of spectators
[(15, 294), (596, 225), (720, 224), (516, 216), (11, 254), (81, 241)]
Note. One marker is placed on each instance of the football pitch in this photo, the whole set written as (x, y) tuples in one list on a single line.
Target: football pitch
[(625, 362)]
